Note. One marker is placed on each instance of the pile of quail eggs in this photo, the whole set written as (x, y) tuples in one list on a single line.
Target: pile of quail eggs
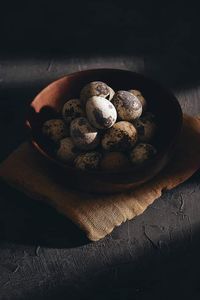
[(103, 129)]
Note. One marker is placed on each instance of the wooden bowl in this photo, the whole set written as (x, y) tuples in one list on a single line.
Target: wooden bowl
[(48, 103)]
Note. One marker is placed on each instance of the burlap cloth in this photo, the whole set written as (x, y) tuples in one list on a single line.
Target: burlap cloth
[(98, 215)]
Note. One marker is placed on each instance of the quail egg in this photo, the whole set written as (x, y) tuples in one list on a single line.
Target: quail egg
[(114, 161), (55, 130), (127, 105), (67, 150), (96, 88), (141, 153), (111, 95), (88, 161), (146, 129), (72, 109), (121, 137), (83, 134), (101, 113), (139, 95)]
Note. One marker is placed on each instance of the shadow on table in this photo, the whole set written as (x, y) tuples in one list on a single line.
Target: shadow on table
[(168, 270), (26, 221), (165, 271)]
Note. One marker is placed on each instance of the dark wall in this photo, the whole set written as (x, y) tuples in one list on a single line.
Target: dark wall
[(43, 40), (94, 26)]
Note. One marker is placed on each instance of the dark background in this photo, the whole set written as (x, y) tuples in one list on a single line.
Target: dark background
[(42, 37), (42, 254)]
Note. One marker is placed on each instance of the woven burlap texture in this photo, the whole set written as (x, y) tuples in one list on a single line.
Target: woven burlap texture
[(98, 215)]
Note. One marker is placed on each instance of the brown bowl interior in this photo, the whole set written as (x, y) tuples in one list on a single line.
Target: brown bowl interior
[(161, 102)]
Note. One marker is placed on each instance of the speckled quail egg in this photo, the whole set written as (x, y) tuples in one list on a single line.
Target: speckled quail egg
[(111, 95), (101, 113), (127, 105), (55, 130), (83, 134), (88, 161), (67, 150), (114, 161), (121, 137), (146, 129), (139, 95), (96, 88), (141, 153), (72, 109)]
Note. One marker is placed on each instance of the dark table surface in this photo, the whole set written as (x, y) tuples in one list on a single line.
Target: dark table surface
[(42, 254)]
